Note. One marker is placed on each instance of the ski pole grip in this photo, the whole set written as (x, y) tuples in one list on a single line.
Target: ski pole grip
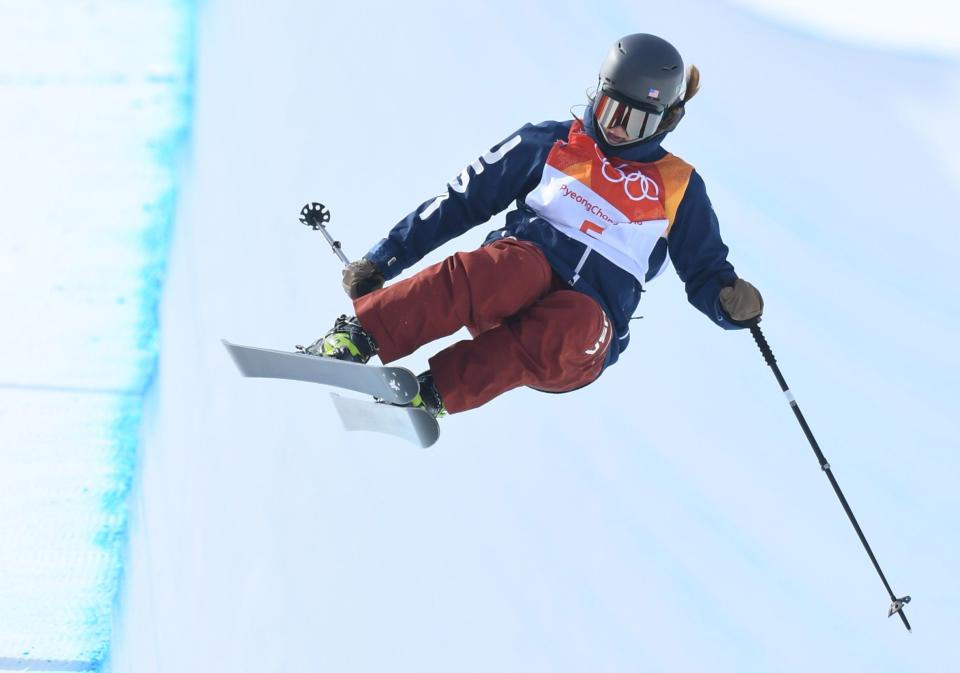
[(762, 343)]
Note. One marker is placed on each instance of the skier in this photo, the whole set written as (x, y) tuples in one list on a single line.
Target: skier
[(599, 207)]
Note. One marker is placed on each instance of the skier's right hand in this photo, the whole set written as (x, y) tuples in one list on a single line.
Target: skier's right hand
[(361, 277)]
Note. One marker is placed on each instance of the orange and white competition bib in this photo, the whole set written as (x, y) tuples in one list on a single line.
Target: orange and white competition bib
[(620, 209)]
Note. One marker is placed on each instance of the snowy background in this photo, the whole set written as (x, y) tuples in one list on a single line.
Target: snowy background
[(670, 517), (94, 115)]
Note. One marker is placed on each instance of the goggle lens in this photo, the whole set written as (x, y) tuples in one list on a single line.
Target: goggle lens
[(623, 123)]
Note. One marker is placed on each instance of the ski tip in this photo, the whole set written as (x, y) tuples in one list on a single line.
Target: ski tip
[(427, 440), (236, 355)]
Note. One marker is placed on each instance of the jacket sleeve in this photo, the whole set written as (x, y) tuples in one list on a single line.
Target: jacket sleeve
[(699, 254), (483, 189)]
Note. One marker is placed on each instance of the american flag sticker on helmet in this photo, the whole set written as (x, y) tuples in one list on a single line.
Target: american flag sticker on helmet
[(654, 93)]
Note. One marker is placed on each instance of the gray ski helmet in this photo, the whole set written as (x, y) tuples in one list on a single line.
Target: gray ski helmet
[(644, 72)]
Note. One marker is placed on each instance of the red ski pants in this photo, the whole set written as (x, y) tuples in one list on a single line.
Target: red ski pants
[(529, 328)]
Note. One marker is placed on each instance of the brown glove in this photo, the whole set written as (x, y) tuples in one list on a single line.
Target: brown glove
[(741, 301), (361, 277)]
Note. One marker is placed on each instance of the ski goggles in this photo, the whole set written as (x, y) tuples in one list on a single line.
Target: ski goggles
[(623, 123)]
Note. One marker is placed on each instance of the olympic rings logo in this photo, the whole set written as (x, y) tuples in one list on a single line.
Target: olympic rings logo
[(648, 188)]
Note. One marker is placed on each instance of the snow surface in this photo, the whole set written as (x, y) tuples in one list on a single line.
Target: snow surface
[(670, 517), (94, 106)]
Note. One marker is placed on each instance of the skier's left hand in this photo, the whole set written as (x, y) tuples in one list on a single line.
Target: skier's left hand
[(741, 301), (361, 277)]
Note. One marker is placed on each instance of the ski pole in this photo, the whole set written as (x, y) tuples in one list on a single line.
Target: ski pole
[(898, 603), (316, 215)]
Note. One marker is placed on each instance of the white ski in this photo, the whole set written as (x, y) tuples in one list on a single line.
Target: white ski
[(413, 425), (391, 384)]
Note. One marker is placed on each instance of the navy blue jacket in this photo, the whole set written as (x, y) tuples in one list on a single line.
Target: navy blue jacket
[(509, 172)]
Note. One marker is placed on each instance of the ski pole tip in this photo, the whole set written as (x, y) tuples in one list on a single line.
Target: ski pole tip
[(896, 608), (897, 605)]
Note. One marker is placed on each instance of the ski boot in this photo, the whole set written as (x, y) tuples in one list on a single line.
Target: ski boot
[(428, 398), (347, 340)]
